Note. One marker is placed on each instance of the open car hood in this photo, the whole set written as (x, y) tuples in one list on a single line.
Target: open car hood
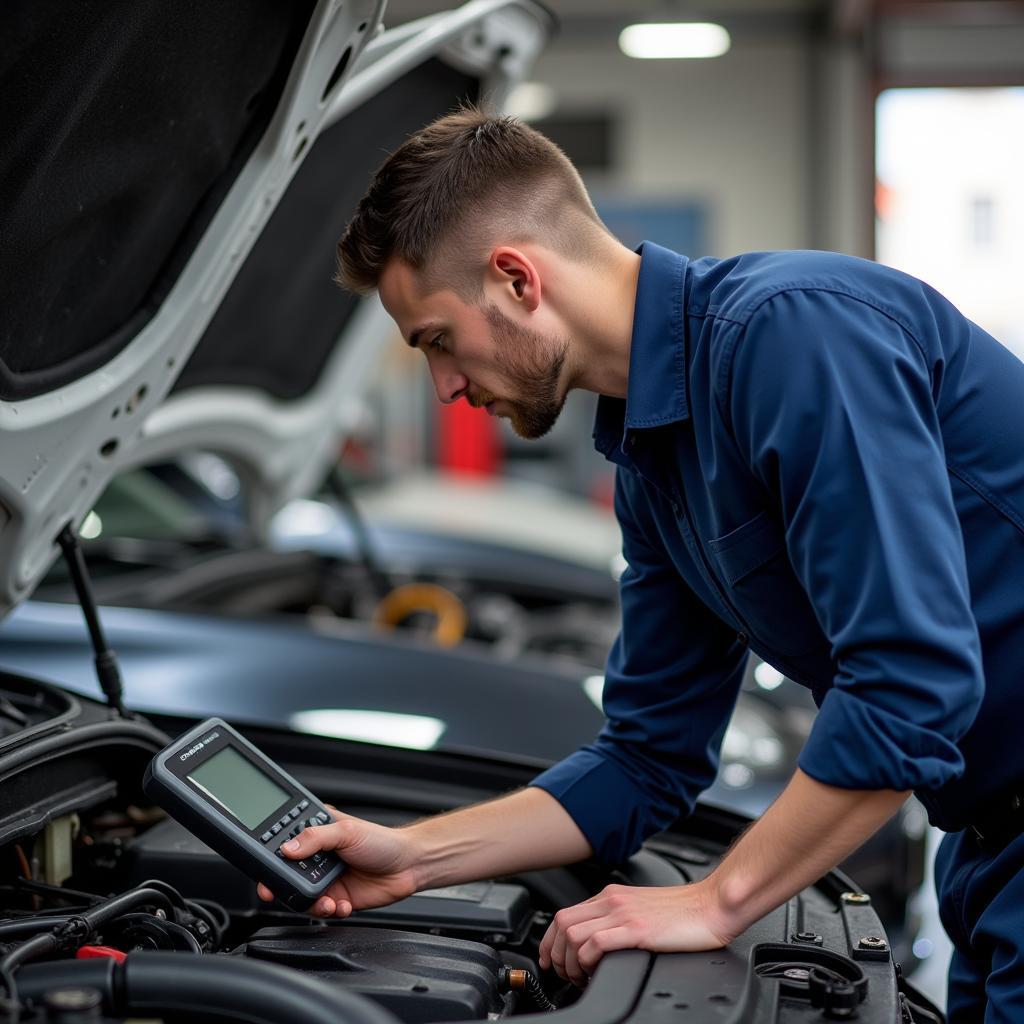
[(175, 177)]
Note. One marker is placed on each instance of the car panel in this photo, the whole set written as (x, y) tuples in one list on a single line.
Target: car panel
[(66, 440)]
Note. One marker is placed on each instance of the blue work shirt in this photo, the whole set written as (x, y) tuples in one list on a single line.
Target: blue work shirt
[(819, 459)]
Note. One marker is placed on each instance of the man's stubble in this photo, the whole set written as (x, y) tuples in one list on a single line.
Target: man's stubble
[(524, 358)]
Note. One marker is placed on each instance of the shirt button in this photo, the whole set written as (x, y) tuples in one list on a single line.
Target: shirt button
[(743, 638)]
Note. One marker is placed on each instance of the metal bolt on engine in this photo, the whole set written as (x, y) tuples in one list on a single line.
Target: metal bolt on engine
[(872, 942), (859, 898)]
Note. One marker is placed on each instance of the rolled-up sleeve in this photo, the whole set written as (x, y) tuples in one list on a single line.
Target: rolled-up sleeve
[(671, 681), (832, 401)]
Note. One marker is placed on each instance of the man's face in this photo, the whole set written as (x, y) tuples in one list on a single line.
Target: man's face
[(479, 352)]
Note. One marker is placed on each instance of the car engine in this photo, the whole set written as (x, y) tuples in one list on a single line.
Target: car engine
[(110, 911)]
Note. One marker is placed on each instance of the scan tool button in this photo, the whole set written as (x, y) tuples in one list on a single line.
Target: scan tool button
[(323, 817), (303, 804), (313, 822), (294, 812), (275, 828), (267, 836)]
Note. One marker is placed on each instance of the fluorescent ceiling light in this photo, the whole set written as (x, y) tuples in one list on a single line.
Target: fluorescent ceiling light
[(674, 40), (531, 101)]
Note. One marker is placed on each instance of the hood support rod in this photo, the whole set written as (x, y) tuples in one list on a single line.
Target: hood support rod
[(107, 670)]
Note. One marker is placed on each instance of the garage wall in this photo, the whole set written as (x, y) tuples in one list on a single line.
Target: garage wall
[(776, 137), (732, 133)]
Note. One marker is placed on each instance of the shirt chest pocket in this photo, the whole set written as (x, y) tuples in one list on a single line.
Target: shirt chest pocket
[(753, 563)]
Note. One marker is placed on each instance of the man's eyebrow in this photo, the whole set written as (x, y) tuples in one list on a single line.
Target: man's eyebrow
[(413, 341)]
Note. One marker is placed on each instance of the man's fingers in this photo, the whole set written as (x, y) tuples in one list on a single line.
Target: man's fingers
[(336, 902), (576, 936), (324, 907), (264, 893), (557, 954), (601, 942), (569, 917), (314, 839), (571, 965)]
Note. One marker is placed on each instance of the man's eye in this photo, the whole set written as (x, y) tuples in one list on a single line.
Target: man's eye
[(436, 343)]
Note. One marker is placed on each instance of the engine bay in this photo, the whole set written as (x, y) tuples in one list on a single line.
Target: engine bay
[(111, 911)]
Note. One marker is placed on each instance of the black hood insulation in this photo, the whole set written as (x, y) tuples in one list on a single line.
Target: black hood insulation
[(279, 321), (123, 127)]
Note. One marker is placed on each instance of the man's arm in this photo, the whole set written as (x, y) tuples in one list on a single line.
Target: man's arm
[(806, 832), (523, 831), (832, 403)]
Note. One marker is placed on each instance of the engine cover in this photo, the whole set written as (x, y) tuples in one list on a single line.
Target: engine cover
[(420, 978)]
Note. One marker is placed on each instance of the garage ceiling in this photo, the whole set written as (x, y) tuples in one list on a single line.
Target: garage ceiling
[(571, 12)]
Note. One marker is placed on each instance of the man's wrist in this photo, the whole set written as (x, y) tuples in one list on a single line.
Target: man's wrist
[(422, 861), (729, 899)]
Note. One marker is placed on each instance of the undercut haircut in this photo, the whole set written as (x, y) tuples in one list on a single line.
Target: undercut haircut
[(456, 188)]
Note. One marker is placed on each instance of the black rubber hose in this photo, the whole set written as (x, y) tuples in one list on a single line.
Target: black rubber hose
[(72, 931), (235, 988), (27, 926), (215, 916), (106, 911), (169, 891), (38, 945), (35, 947), (35, 980)]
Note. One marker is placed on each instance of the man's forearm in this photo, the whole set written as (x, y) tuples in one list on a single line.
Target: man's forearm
[(804, 834), (809, 829), (524, 831)]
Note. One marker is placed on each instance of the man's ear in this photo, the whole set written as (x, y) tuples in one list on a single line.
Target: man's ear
[(512, 270)]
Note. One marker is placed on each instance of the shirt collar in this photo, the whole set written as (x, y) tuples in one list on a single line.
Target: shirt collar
[(656, 392)]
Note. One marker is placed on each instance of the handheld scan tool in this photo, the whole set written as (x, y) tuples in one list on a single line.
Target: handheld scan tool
[(237, 801)]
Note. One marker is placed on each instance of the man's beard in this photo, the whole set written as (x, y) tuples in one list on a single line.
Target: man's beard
[(520, 358)]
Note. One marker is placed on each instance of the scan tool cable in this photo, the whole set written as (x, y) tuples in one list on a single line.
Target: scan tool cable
[(107, 669)]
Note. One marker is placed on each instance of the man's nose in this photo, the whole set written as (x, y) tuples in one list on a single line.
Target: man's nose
[(449, 383)]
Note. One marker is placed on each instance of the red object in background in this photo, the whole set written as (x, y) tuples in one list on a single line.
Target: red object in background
[(100, 952), (602, 490), (467, 440)]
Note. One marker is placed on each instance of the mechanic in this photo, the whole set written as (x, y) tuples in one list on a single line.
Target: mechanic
[(818, 459)]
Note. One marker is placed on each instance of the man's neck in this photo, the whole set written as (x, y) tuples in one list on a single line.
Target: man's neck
[(601, 313)]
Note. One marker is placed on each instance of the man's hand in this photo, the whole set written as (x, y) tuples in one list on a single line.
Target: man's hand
[(681, 918), (523, 831), (379, 863), (809, 829)]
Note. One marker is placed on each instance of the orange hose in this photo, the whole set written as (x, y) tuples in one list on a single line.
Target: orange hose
[(426, 597), (26, 870)]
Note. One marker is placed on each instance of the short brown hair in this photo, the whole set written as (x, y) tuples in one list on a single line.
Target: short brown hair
[(458, 185)]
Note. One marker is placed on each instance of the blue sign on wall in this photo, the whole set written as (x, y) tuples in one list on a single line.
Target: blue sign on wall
[(676, 225)]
